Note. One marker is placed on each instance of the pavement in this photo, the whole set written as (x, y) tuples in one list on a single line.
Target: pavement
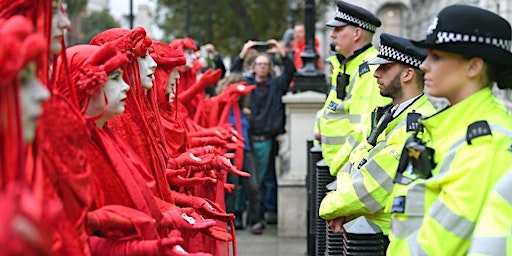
[(269, 244)]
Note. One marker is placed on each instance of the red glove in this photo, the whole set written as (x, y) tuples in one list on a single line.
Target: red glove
[(222, 163), (119, 221), (199, 151), (188, 158), (219, 233), (229, 155), (102, 246), (228, 188), (219, 163), (238, 89), (176, 178), (215, 232), (203, 205), (179, 218), (205, 141), (208, 78)]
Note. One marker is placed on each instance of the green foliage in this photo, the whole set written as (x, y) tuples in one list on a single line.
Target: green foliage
[(97, 22), (228, 24), (74, 7)]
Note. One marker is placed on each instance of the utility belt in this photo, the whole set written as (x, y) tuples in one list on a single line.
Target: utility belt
[(260, 138)]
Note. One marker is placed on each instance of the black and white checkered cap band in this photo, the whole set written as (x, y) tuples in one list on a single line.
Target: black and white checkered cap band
[(450, 37), (343, 16), (395, 55)]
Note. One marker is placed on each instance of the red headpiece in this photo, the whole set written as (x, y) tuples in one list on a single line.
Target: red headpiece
[(89, 66), (184, 43), (132, 41), (167, 58)]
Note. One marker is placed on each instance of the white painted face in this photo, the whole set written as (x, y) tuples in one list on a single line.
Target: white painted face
[(171, 84), (32, 94), (147, 66), (190, 56), (59, 23), (115, 90)]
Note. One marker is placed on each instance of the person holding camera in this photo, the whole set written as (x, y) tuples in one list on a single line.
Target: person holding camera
[(267, 117)]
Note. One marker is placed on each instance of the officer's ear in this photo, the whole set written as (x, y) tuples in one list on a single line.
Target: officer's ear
[(358, 33), (407, 74), (475, 66)]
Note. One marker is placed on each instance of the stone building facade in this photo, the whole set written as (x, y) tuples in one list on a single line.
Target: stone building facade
[(410, 19)]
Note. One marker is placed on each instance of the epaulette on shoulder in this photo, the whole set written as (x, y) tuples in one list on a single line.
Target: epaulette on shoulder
[(478, 129), (412, 121), (364, 68)]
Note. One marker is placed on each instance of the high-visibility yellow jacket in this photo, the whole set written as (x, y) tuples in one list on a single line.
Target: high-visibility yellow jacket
[(492, 234), (365, 182), (340, 120), (437, 215)]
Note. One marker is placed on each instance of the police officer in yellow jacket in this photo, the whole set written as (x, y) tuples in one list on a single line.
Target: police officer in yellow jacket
[(492, 234), (365, 182), (354, 91), (449, 167)]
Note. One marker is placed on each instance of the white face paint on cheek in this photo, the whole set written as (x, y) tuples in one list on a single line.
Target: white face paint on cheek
[(146, 69), (115, 91), (59, 23), (32, 94), (173, 80), (189, 55)]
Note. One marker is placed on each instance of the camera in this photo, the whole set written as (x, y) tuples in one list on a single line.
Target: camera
[(261, 46)]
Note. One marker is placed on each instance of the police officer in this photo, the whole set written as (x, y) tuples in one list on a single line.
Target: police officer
[(448, 169), (354, 91), (366, 180)]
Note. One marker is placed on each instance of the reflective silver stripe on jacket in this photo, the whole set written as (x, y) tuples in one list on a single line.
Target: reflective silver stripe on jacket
[(414, 247), (333, 140), (362, 193), (346, 168), (489, 246), (380, 175), (504, 187), (352, 141), (375, 150), (495, 245), (449, 220), (413, 209)]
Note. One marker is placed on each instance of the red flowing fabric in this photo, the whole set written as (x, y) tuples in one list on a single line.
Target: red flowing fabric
[(132, 126), (117, 173), (61, 137), (175, 119)]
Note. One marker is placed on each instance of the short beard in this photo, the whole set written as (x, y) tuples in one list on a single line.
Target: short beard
[(392, 88)]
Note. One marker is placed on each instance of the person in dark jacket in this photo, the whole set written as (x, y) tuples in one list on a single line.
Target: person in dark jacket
[(267, 120)]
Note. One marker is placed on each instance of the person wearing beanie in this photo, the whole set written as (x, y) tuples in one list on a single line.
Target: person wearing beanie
[(450, 164)]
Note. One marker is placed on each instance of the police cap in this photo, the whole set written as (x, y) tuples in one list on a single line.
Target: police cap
[(471, 32), (348, 14), (398, 49)]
